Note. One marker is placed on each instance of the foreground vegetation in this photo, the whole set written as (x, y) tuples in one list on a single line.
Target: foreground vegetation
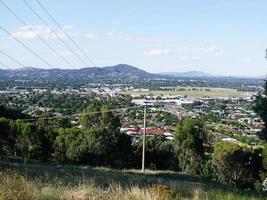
[(39, 181)]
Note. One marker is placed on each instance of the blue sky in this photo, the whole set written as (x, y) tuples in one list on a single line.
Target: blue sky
[(221, 37)]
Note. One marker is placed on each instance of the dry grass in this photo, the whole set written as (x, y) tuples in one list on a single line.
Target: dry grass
[(15, 186), (37, 182)]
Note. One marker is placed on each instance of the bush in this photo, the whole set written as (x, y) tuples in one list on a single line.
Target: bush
[(236, 165)]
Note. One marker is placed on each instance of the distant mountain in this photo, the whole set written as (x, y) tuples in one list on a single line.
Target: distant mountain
[(187, 74), (121, 71)]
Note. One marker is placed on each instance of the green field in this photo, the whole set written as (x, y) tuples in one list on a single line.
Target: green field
[(40, 181), (199, 92)]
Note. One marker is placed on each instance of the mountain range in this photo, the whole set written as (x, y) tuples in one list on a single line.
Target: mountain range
[(121, 71), (116, 72)]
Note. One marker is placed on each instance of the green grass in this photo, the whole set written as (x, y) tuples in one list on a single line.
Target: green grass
[(40, 181), (213, 92)]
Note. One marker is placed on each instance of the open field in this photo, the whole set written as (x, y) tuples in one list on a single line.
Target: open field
[(196, 93), (36, 181)]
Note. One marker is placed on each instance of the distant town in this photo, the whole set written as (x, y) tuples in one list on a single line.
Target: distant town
[(228, 111)]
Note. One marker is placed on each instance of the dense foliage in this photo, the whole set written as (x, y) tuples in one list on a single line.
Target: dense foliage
[(97, 142), (237, 165), (26, 140), (11, 113), (190, 137), (160, 153), (261, 108)]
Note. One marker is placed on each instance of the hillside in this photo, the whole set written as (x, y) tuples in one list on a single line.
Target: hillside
[(39, 181), (121, 71)]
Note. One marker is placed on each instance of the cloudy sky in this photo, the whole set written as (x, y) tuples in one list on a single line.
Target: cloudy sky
[(221, 37)]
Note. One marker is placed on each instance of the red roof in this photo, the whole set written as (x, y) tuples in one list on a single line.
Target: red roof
[(133, 130), (153, 132)]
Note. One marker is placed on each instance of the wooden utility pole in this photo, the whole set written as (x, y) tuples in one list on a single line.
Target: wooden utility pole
[(144, 141)]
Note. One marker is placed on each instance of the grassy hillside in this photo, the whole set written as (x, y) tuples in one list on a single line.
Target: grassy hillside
[(39, 181)]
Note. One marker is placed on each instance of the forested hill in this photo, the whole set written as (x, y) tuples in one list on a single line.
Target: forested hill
[(121, 71)]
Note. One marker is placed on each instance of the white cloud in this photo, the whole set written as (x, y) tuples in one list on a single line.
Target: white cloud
[(110, 33), (249, 60), (186, 53), (158, 52), (25, 33), (150, 39), (67, 27), (199, 51), (64, 53), (77, 34), (189, 58), (67, 54), (212, 51), (46, 32), (115, 22)]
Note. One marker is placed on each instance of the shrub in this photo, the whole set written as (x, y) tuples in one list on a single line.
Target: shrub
[(236, 165)]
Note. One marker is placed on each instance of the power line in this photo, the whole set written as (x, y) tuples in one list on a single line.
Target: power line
[(68, 36), (56, 35), (25, 46), (29, 49), (4, 65), (19, 63), (82, 114), (13, 71), (41, 39), (144, 139), (16, 61)]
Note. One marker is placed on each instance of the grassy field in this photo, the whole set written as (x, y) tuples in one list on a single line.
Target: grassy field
[(199, 92), (36, 181)]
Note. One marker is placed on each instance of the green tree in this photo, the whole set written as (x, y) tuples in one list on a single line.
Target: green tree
[(261, 108), (169, 119), (27, 140), (99, 116), (46, 137), (65, 138), (5, 138), (99, 142), (160, 153), (11, 113), (95, 146), (28, 144), (236, 165), (190, 137), (264, 158), (107, 147)]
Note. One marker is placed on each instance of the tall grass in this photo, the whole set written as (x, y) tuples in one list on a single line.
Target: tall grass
[(15, 186), (43, 182)]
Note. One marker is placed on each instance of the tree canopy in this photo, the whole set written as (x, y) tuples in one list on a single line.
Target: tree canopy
[(190, 138), (235, 164), (261, 108)]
